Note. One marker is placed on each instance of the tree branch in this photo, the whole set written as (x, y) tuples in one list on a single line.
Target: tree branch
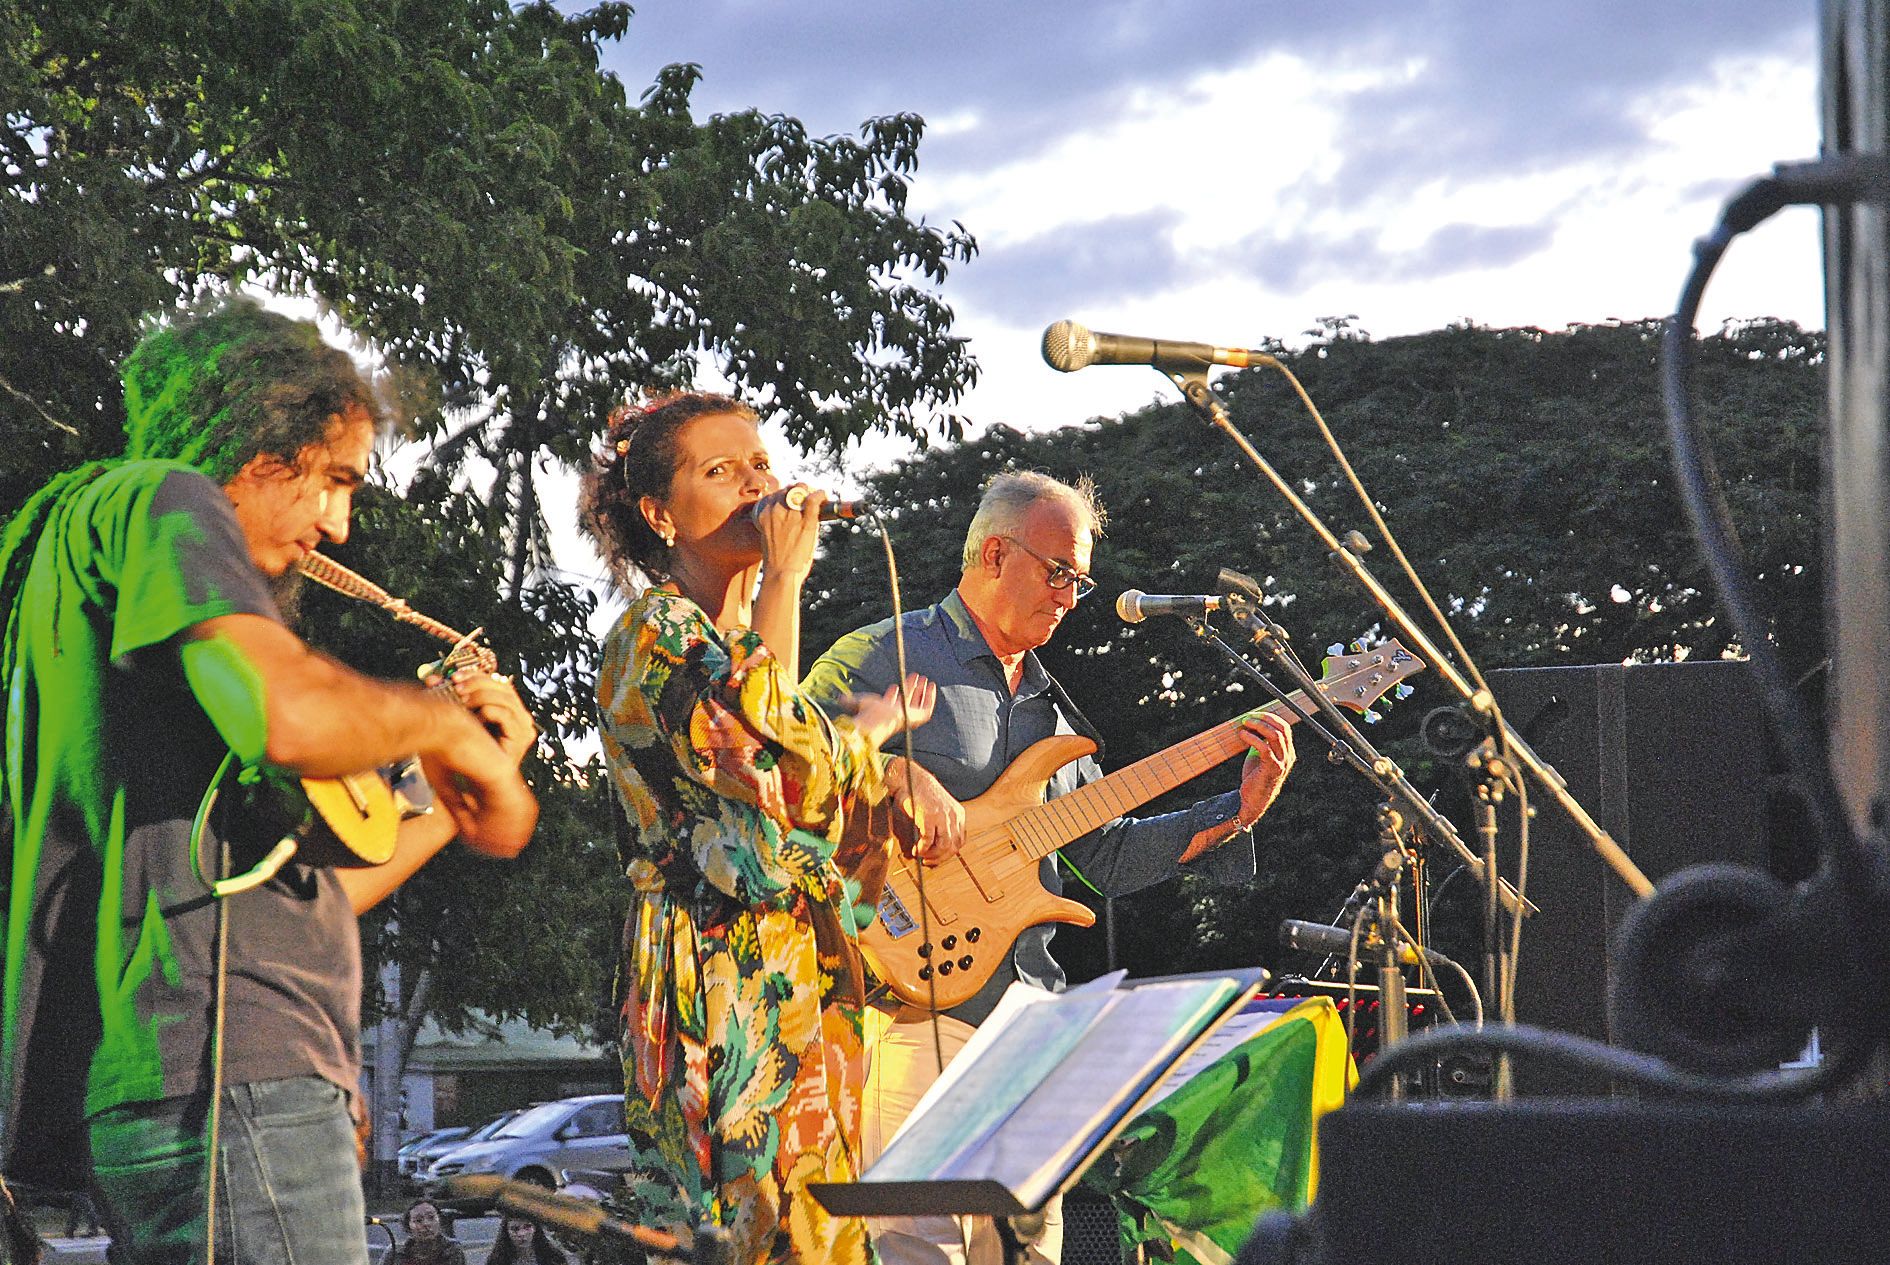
[(35, 405), (525, 515), (413, 1014)]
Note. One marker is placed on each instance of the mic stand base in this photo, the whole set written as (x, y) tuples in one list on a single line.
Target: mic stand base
[(1592, 1180)]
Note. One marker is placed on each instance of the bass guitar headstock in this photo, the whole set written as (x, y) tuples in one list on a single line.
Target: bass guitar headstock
[(1358, 676)]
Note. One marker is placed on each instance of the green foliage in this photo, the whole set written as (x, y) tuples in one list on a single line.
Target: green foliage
[(1525, 474), (535, 937), (458, 182)]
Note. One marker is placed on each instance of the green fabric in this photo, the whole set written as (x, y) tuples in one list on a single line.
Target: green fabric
[(231, 691), (1196, 1169), (125, 562)]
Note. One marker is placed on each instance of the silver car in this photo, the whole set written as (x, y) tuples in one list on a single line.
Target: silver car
[(535, 1144)]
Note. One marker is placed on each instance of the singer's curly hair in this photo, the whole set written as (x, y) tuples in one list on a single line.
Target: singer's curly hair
[(639, 459)]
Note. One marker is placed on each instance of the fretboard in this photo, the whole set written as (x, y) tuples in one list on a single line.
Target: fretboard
[(1048, 826)]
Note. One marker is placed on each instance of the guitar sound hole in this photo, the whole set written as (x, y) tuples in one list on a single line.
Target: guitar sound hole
[(964, 963), (971, 936), (944, 968), (950, 943)]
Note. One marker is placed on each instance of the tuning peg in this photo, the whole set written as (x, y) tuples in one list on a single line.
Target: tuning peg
[(1372, 717), (1336, 648), (1358, 647), (1404, 690)]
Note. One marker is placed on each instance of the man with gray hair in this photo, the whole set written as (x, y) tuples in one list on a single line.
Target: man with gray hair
[(1026, 565)]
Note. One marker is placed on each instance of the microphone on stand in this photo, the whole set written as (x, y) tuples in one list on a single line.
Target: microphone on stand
[(796, 496), (1389, 867), (1134, 606), (1068, 347), (1317, 937), (588, 1223)]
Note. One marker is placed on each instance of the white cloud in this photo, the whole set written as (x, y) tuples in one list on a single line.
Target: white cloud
[(1591, 238)]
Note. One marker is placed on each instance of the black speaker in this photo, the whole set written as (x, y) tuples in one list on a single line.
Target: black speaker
[(1092, 1235), (1672, 759)]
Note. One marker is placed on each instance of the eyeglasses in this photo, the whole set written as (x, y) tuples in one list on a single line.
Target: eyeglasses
[(1062, 574)]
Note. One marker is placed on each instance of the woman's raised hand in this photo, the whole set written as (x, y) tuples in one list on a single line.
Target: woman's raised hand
[(788, 533), (880, 716)]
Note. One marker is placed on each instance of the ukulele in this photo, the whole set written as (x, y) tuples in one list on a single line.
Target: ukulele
[(352, 820)]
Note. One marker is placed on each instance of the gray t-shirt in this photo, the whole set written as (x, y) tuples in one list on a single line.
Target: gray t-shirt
[(110, 969), (979, 727)]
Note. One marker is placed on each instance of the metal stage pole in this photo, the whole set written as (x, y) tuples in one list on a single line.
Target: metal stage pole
[(1856, 120)]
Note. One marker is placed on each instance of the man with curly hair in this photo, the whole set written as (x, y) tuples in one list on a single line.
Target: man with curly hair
[(143, 655)]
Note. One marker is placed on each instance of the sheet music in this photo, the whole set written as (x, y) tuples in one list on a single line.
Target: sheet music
[(1041, 1088), (1015, 999)]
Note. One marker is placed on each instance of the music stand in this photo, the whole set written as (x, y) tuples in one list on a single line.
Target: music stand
[(1040, 1091)]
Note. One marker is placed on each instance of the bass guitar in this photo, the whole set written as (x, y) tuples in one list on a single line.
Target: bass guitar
[(977, 902)]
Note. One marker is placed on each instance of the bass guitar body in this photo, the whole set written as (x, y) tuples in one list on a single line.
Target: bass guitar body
[(942, 930), (977, 903)]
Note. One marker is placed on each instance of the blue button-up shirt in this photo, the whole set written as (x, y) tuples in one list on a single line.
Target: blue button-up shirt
[(980, 727)]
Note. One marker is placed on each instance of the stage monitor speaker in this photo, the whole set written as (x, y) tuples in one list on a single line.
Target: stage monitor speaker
[(1672, 760)]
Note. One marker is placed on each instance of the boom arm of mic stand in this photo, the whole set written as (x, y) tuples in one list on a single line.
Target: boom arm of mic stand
[(1194, 386), (1312, 693), (1381, 770)]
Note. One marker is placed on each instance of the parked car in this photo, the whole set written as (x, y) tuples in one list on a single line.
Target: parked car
[(415, 1178), (585, 1132), (416, 1151)]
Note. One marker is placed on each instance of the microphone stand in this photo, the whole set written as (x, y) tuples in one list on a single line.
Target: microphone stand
[(1238, 593), (1338, 750), (1393, 1016), (1391, 864), (1194, 386), (1352, 747), (1491, 776)]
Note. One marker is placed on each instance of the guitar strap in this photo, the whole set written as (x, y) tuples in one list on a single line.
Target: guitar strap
[(1078, 721), (1082, 725)]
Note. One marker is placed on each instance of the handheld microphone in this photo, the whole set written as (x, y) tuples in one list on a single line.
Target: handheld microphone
[(796, 496), (1134, 605), (1317, 937), (1068, 347)]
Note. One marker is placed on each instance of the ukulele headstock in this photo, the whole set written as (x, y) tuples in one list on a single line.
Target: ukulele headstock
[(468, 654)]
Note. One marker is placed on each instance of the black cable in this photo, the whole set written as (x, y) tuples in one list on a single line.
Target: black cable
[(1644, 1071), (918, 866), (1837, 180), (1704, 497)]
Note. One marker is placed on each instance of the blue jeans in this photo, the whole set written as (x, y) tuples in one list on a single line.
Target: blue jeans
[(288, 1188)]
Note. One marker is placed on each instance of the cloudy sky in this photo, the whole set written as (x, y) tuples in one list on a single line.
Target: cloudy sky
[(1228, 170)]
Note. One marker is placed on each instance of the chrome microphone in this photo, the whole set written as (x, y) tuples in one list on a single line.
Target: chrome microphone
[(1134, 606), (796, 496), (1317, 937), (1068, 347)]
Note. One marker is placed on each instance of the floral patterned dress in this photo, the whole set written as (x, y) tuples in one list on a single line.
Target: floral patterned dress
[(750, 848)]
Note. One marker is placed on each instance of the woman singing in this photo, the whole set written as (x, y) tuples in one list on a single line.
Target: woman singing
[(752, 845)]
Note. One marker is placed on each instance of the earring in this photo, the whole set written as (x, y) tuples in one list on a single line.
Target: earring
[(669, 540)]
